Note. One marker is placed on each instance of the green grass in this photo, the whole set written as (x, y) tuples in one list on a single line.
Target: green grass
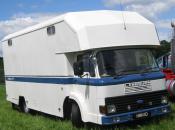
[(14, 120)]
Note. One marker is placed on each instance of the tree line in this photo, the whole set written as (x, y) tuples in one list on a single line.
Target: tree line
[(1, 71), (163, 48)]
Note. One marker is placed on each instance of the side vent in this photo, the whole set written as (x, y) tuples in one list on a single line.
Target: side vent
[(51, 30), (9, 42)]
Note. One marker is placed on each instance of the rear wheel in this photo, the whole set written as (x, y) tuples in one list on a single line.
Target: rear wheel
[(23, 106), (76, 116)]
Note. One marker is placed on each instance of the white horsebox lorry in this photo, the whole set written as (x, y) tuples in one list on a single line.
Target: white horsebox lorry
[(94, 66)]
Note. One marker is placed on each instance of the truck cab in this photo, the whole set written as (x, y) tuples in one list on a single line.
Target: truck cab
[(128, 83)]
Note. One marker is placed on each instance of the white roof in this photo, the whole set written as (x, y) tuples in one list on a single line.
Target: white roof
[(103, 28)]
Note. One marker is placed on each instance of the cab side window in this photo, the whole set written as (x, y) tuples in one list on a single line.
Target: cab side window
[(87, 64)]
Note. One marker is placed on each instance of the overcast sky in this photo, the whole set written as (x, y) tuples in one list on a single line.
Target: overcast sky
[(18, 14)]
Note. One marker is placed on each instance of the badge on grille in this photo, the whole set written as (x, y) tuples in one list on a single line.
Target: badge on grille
[(136, 87)]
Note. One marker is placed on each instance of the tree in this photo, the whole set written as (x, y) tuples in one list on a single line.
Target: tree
[(1, 71), (163, 49)]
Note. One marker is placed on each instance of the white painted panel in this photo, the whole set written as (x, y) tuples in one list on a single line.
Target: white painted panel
[(34, 54), (66, 40), (119, 90)]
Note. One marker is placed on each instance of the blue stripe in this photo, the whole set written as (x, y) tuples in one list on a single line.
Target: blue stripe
[(129, 116), (87, 81), (41, 80)]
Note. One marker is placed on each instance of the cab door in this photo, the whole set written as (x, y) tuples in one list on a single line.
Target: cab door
[(84, 86), (88, 67)]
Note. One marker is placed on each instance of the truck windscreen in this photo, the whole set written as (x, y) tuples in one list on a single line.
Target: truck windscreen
[(126, 61)]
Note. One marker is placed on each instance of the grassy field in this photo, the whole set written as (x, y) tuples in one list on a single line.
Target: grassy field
[(15, 120)]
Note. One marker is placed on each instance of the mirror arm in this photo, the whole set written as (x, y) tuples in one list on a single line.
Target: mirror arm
[(86, 74)]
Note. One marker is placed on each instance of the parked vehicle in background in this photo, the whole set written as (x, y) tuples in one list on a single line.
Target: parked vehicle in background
[(94, 66), (167, 64)]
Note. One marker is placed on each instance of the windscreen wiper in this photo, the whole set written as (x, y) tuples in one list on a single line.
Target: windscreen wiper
[(148, 69), (122, 72)]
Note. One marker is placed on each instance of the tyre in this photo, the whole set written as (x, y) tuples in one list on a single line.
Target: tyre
[(23, 107), (14, 106), (76, 116)]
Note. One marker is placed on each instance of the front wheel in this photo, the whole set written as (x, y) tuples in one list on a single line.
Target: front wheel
[(76, 116)]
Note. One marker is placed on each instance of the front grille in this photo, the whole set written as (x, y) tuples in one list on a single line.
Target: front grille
[(136, 101)]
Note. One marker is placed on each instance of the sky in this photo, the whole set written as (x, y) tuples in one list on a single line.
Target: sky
[(19, 14)]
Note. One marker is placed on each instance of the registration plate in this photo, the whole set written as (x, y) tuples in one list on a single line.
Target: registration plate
[(142, 115)]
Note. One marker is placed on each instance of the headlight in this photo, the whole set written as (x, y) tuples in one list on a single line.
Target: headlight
[(111, 108), (164, 100)]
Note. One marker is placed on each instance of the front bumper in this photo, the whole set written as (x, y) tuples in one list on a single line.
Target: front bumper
[(125, 117)]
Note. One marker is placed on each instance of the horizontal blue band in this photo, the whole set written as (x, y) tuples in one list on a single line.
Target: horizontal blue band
[(129, 116), (87, 81)]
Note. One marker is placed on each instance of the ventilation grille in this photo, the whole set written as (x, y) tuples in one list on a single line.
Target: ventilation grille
[(149, 100)]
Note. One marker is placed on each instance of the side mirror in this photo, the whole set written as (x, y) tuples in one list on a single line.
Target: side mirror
[(78, 68)]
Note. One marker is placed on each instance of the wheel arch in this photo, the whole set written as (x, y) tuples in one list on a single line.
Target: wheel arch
[(81, 104)]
